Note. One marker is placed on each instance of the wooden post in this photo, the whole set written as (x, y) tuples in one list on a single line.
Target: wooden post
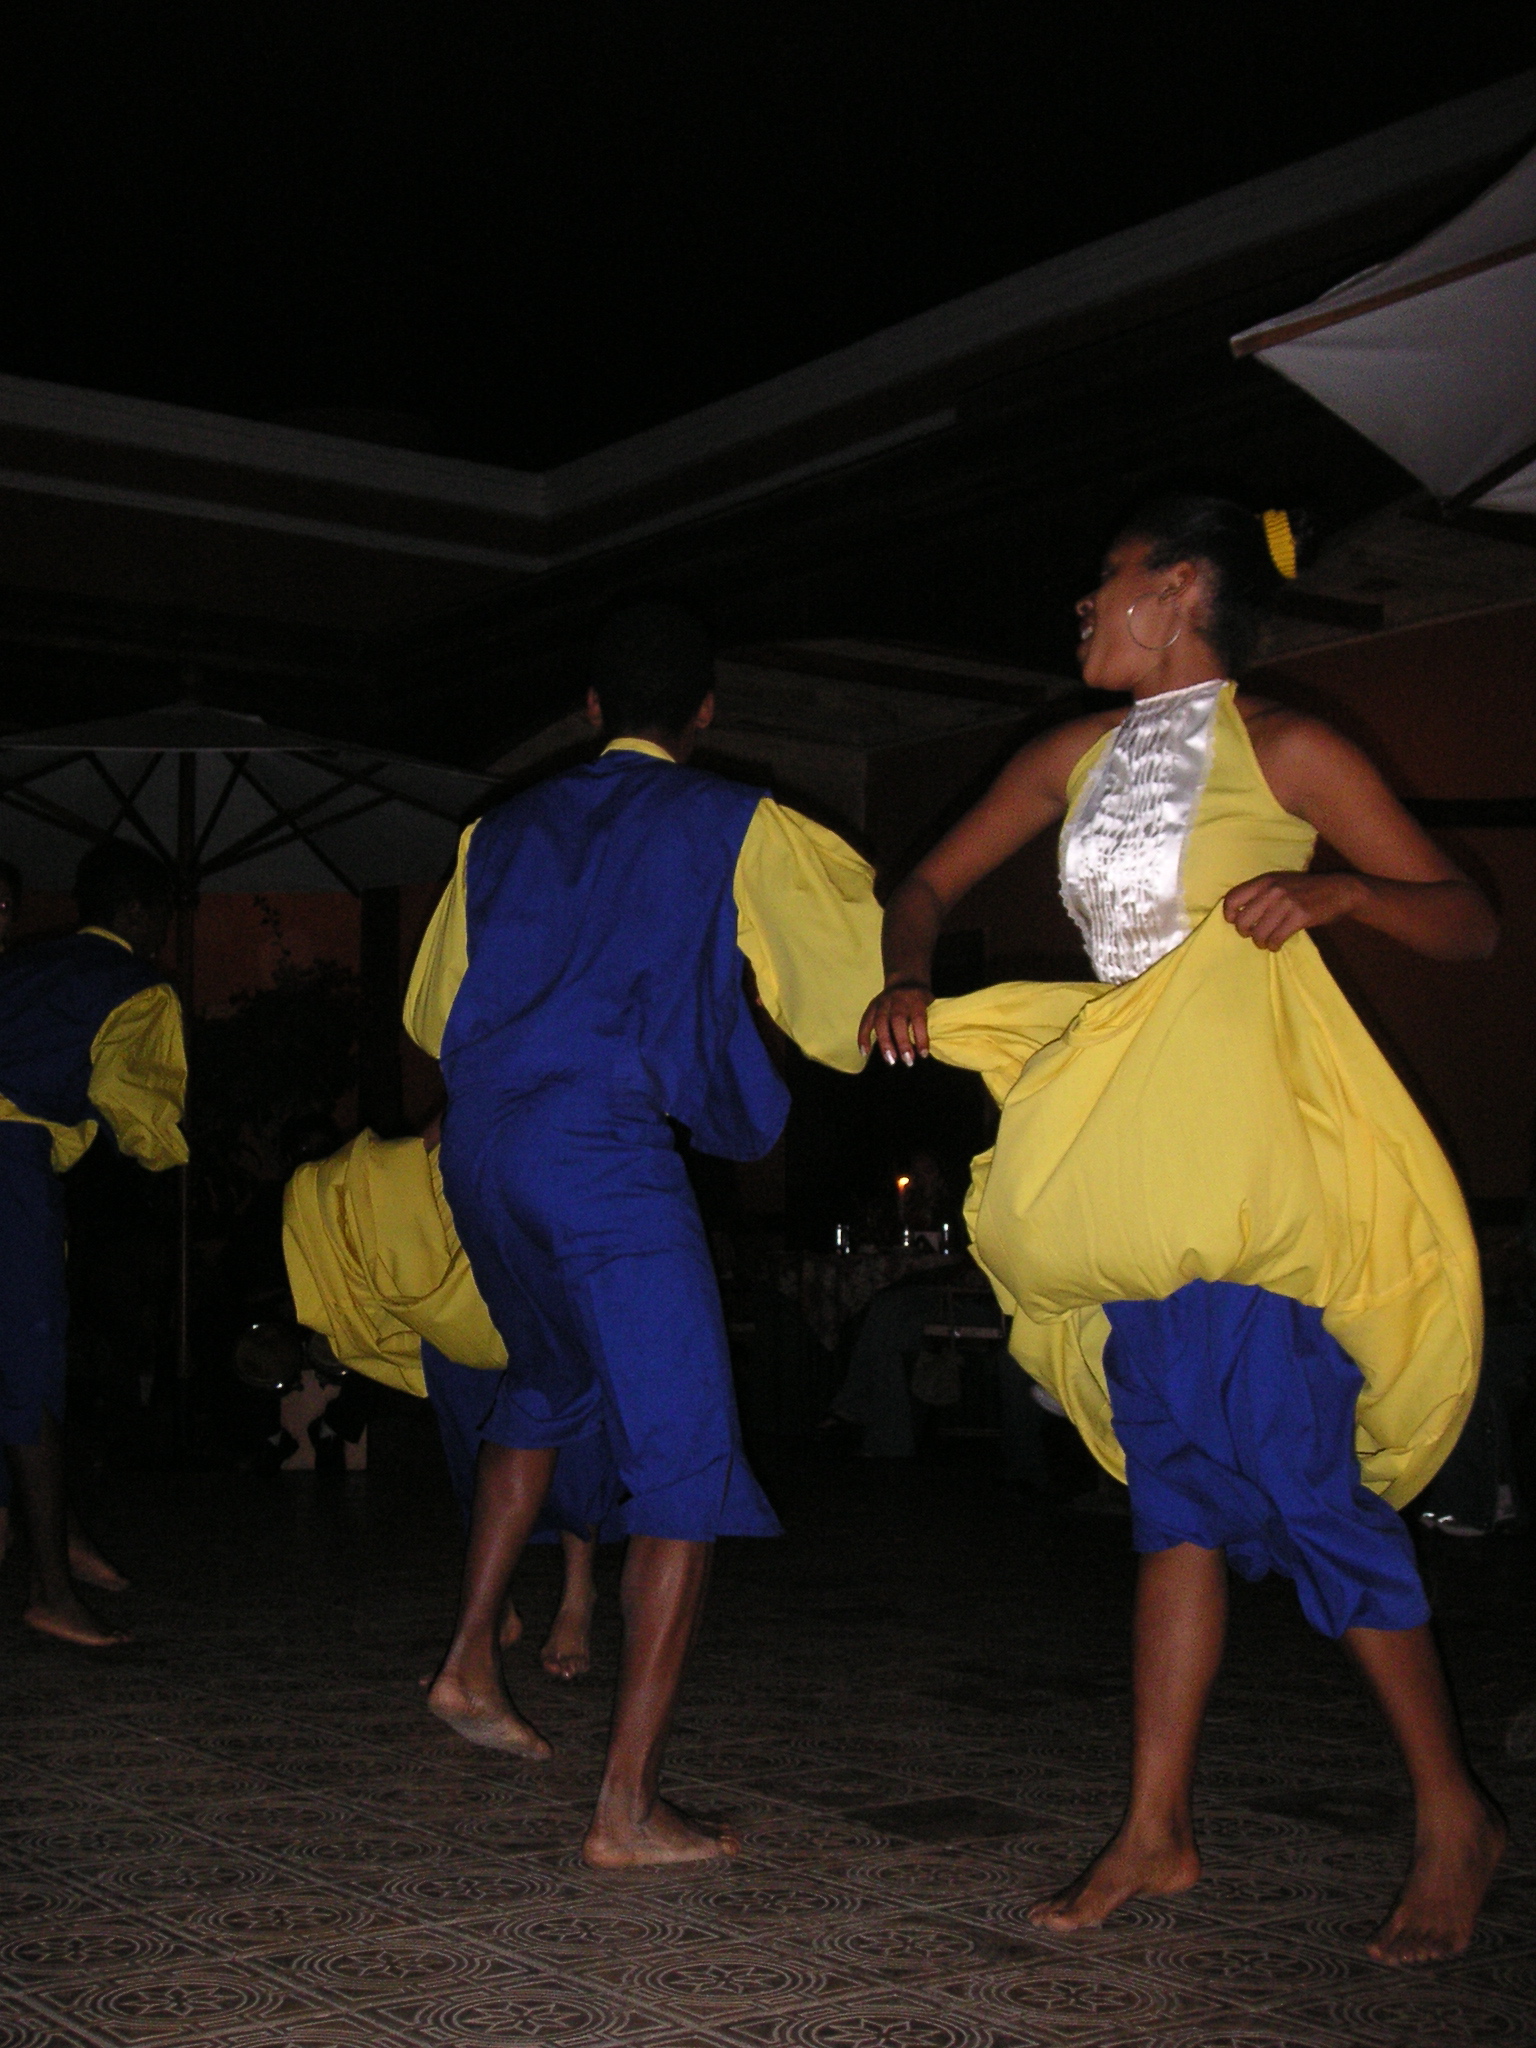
[(186, 985)]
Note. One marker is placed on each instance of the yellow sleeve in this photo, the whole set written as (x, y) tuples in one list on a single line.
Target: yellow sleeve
[(442, 960), (139, 1077), (808, 921)]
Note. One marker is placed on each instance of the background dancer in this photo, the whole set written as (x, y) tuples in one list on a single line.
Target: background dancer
[(90, 1034), (1210, 1198), (375, 1266), (582, 981)]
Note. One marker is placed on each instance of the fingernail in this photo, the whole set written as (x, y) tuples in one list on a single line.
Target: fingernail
[(907, 1058), (889, 1058)]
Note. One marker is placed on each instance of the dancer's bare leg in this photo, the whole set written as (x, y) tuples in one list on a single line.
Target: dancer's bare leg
[(510, 1628), (55, 1609), (468, 1692), (1180, 1628), (86, 1564), (1458, 1837), (568, 1651), (662, 1597)]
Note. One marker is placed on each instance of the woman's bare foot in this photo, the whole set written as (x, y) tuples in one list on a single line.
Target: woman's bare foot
[(1437, 1908), (511, 1629), (567, 1652), (90, 1568), (486, 1718), (1131, 1867), (70, 1621), (616, 1841)]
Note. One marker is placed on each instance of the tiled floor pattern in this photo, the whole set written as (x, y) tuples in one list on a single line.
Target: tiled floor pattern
[(246, 1832)]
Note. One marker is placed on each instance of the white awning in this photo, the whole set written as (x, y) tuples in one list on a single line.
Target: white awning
[(1433, 354)]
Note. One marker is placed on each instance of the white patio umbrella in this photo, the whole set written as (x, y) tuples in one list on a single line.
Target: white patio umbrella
[(1433, 355), (229, 803)]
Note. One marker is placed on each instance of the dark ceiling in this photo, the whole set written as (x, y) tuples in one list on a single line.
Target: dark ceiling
[(514, 232)]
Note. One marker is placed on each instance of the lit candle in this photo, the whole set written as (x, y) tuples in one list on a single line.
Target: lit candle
[(903, 1182)]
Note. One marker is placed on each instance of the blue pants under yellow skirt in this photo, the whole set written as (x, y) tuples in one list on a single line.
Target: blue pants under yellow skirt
[(1236, 1413), (585, 1241), (34, 1307)]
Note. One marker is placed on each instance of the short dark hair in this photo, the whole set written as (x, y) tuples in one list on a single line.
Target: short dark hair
[(114, 874), (652, 667), (1228, 540), (10, 877)]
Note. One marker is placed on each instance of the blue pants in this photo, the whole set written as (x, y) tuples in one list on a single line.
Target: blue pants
[(1236, 1413), (585, 1240), (464, 1399), (34, 1307)]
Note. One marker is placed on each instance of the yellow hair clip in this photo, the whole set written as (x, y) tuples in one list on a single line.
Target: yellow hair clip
[(1281, 542)]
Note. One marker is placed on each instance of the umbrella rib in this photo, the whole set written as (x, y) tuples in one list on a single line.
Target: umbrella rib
[(128, 809), (251, 842), (1304, 323), (222, 799), (267, 837), (364, 779), (1491, 478), (295, 828), (48, 767), (48, 812)]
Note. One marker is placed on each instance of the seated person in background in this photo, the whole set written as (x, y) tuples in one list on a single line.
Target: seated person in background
[(90, 1033), (375, 1268)]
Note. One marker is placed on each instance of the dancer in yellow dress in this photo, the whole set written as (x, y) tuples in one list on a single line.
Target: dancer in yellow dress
[(1232, 1249)]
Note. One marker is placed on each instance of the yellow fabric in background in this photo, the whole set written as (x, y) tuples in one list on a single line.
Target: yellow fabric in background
[(375, 1264), (1225, 1116), (139, 1077)]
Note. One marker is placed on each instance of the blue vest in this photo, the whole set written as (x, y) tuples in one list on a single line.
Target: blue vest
[(54, 998), (603, 956)]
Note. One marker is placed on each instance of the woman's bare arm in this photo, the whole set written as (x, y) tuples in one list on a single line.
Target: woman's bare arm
[(1403, 884), (1026, 798)]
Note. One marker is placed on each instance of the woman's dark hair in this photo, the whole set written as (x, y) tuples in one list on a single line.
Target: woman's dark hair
[(10, 878), (113, 875), (652, 667), (1226, 539)]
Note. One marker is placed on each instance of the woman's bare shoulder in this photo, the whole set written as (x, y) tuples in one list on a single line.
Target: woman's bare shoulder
[(1056, 753)]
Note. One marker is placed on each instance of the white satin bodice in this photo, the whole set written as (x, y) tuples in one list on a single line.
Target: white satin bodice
[(1122, 849)]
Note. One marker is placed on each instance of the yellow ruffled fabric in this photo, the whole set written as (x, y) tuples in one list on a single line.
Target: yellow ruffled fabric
[(375, 1264), (1225, 1116)]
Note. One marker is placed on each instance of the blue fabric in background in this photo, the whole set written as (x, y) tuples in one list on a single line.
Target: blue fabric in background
[(603, 996), (1236, 1413), (54, 998), (34, 1307)]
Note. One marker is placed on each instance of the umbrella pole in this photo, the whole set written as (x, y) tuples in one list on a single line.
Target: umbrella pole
[(186, 913)]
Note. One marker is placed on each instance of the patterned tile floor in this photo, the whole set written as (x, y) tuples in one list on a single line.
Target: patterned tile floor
[(245, 1831)]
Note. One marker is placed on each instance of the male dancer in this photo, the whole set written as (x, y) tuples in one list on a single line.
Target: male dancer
[(582, 983), (89, 1033)]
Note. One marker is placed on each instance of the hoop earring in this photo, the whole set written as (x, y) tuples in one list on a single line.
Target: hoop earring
[(1146, 646)]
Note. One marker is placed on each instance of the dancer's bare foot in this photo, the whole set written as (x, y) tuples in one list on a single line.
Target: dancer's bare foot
[(1437, 1908), (486, 1718), (567, 1652), (70, 1621), (90, 1568), (511, 1629), (617, 1841), (1133, 1866)]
